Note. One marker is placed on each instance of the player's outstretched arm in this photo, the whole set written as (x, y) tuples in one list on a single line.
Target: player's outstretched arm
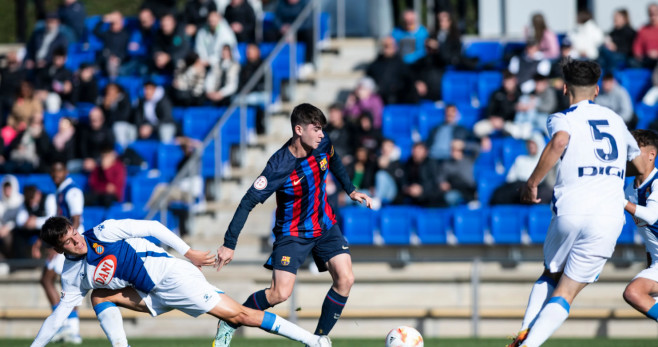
[(116, 230), (52, 324), (548, 159)]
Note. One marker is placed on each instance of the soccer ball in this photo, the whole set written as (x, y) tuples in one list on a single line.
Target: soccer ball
[(404, 336)]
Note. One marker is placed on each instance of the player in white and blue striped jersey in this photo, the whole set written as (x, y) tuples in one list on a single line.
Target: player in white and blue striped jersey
[(122, 268), (642, 203)]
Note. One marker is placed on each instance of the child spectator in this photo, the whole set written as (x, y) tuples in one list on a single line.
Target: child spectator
[(223, 78)]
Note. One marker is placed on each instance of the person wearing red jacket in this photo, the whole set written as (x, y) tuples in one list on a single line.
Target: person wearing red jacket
[(107, 181), (645, 46)]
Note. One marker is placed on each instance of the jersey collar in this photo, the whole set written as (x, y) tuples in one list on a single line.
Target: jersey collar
[(649, 178)]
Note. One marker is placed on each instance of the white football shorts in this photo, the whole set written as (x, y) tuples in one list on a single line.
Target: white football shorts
[(580, 245), (184, 288), (650, 273)]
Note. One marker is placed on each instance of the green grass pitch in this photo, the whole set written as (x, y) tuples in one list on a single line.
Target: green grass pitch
[(242, 342)]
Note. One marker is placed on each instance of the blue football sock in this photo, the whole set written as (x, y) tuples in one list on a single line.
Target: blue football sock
[(331, 309), (653, 312)]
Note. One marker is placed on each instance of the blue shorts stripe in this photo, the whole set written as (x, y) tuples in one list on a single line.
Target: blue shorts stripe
[(560, 301), (268, 321), (103, 306)]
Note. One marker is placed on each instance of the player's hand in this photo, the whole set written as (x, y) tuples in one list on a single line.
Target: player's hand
[(529, 195), (224, 256), (360, 198), (200, 258)]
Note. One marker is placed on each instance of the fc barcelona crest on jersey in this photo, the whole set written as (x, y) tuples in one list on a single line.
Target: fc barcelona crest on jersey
[(98, 248), (323, 164), (285, 261)]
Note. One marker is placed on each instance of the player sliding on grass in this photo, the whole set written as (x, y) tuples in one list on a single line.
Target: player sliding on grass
[(122, 268), (305, 222), (593, 145), (643, 205)]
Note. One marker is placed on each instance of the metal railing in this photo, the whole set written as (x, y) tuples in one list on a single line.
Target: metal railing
[(265, 70)]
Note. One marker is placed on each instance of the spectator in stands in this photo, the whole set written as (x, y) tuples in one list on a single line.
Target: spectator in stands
[(525, 66), (196, 14), (410, 37), (362, 170), (365, 134), (73, 14), (419, 184), (92, 139), (618, 45), (365, 99), (651, 97), (223, 78), (586, 37), (11, 76), (446, 42), (115, 43), (43, 42), (340, 132), (389, 175), (160, 8), (54, 85), (645, 46), (616, 98), (28, 150), (212, 37), (501, 110), (533, 109), (257, 96), (441, 136), (26, 107), (107, 181), (85, 85), (241, 17), (285, 14), (189, 81), (142, 38), (65, 140), (170, 45), (547, 40), (519, 172), (117, 110), (10, 203), (34, 211), (21, 22), (393, 77), (455, 175), (153, 114)]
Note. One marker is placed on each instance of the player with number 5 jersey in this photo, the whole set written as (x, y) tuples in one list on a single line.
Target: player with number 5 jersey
[(593, 147)]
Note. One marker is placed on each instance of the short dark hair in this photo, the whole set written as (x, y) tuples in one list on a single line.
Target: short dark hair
[(580, 73), (53, 230), (608, 76), (507, 74), (305, 114), (645, 137), (336, 106)]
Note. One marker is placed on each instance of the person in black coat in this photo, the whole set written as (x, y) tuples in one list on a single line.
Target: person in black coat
[(93, 137), (196, 14), (73, 14), (115, 43), (153, 114), (170, 45), (85, 85), (419, 184), (241, 17), (35, 56), (160, 8), (393, 77), (11, 75), (56, 78)]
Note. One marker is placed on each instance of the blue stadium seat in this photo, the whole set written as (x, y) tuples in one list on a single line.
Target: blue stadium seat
[(468, 115), (429, 117), (140, 189), (197, 121), (539, 218), (281, 63), (459, 86), (92, 216), (395, 224), (512, 148), (487, 184), (507, 223), (95, 44), (627, 235), (178, 113), (208, 159), (513, 48), (80, 179), (636, 82), (169, 155), (398, 120), (431, 225), (468, 226), (41, 181), (79, 53), (489, 53), (404, 144), (124, 211), (488, 82), (358, 225), (148, 150), (325, 26), (645, 114), (83, 109), (51, 122)]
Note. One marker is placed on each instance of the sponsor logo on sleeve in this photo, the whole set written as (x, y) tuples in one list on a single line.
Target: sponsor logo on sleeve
[(260, 183), (105, 270)]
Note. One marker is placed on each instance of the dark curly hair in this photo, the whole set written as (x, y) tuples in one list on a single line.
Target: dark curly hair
[(645, 138), (580, 73), (53, 230)]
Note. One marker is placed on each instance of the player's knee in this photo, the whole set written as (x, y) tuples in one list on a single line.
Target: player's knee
[(278, 295), (345, 282), (631, 295)]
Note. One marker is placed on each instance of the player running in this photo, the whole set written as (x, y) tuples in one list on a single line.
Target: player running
[(643, 205), (593, 145), (305, 222), (122, 268)]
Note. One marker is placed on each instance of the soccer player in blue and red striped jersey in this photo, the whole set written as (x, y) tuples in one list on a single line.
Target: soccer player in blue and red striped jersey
[(305, 222)]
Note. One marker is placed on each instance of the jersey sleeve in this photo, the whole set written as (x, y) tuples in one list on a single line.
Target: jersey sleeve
[(115, 230), (633, 148), (336, 166), (649, 213), (75, 200), (557, 122)]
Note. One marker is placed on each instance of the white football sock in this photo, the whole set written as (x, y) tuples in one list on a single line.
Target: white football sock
[(112, 323), (550, 318), (277, 325), (74, 325), (541, 292)]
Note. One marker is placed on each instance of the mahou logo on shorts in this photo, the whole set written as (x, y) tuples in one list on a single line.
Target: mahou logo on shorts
[(105, 270)]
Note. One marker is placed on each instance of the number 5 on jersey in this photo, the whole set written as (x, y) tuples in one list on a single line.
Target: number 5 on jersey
[(600, 136)]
